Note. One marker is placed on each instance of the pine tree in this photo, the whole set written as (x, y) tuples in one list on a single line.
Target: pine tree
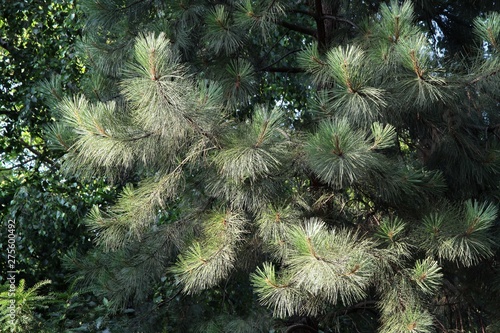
[(337, 173)]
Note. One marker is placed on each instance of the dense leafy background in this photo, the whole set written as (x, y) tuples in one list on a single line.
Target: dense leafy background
[(37, 42)]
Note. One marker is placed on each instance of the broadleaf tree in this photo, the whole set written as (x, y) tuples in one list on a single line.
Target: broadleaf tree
[(301, 166), (36, 42)]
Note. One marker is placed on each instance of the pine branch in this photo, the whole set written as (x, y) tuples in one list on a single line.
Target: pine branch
[(40, 155), (265, 56), (485, 76), (204, 264), (325, 16), (167, 301), (298, 28), (201, 131), (140, 137), (340, 19), (263, 69)]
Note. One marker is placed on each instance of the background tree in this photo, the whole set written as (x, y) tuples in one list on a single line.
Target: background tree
[(36, 42), (335, 162)]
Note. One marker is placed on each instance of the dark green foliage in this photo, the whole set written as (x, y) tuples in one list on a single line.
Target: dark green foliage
[(314, 166), (48, 222), (35, 42), (36, 46)]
